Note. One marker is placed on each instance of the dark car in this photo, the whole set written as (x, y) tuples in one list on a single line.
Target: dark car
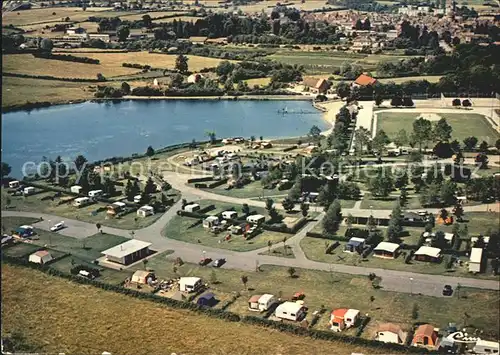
[(205, 261), (219, 262), (447, 290)]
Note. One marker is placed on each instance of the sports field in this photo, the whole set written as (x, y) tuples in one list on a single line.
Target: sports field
[(464, 124)]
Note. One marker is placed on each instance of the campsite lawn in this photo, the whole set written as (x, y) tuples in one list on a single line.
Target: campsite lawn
[(388, 203), (464, 124), (286, 252), (335, 290), (191, 230), (97, 316)]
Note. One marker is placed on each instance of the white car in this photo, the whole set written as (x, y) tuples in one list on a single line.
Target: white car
[(57, 227)]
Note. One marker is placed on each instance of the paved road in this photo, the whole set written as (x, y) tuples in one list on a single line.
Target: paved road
[(391, 280)]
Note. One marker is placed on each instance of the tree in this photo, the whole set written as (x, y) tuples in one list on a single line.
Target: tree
[(497, 144), (213, 277), (470, 142), (442, 130), (150, 187), (245, 209), (211, 135), (183, 203), (332, 219), (382, 184), (288, 204), (401, 138), (422, 130), (291, 271), (343, 89), (395, 224), (407, 101), (315, 131), (361, 138), (181, 63), (122, 32), (456, 102), (269, 204), (438, 240), (442, 150), (6, 169), (244, 280), (458, 211), (396, 101), (448, 193), (109, 187), (269, 245), (125, 88), (46, 45), (403, 197), (483, 147), (98, 226), (349, 220), (100, 77), (80, 161), (371, 223), (466, 103), (379, 142), (401, 178), (150, 151), (296, 191), (146, 19), (378, 100), (304, 208), (482, 160)]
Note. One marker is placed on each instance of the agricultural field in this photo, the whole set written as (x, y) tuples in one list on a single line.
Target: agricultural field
[(464, 124), (178, 18), (110, 64), (429, 78), (18, 91), (258, 81), (26, 17), (190, 230), (315, 62), (109, 316)]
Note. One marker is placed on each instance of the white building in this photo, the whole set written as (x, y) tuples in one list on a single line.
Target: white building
[(476, 260), (189, 284), (266, 301), (128, 252), (290, 310)]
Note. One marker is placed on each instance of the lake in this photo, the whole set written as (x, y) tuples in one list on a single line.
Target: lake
[(108, 129)]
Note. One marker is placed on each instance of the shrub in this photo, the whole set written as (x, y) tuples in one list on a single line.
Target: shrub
[(66, 58)]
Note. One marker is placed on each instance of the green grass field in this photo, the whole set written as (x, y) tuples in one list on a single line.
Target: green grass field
[(191, 230), (464, 124)]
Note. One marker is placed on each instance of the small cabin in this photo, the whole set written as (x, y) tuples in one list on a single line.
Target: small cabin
[(190, 284), (229, 214), (81, 202), (30, 190), (193, 207), (14, 184), (210, 221), (256, 219)]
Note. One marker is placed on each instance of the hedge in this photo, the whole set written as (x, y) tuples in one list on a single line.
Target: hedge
[(206, 209), (363, 325), (322, 236), (48, 77), (290, 148), (67, 58), (217, 183), (332, 246), (202, 179), (183, 213)]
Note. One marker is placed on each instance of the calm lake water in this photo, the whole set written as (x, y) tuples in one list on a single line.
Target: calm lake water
[(103, 130)]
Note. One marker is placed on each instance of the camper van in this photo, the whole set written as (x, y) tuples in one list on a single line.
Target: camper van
[(95, 193), (81, 201), (256, 219), (14, 184), (290, 310), (29, 190), (486, 347)]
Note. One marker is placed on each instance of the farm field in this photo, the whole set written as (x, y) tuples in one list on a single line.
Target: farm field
[(18, 91), (26, 17), (322, 62), (464, 124), (429, 78), (191, 230), (258, 81), (110, 316), (110, 64), (178, 18)]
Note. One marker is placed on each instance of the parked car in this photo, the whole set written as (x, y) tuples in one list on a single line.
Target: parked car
[(219, 262), (205, 261), (447, 290), (57, 226)]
